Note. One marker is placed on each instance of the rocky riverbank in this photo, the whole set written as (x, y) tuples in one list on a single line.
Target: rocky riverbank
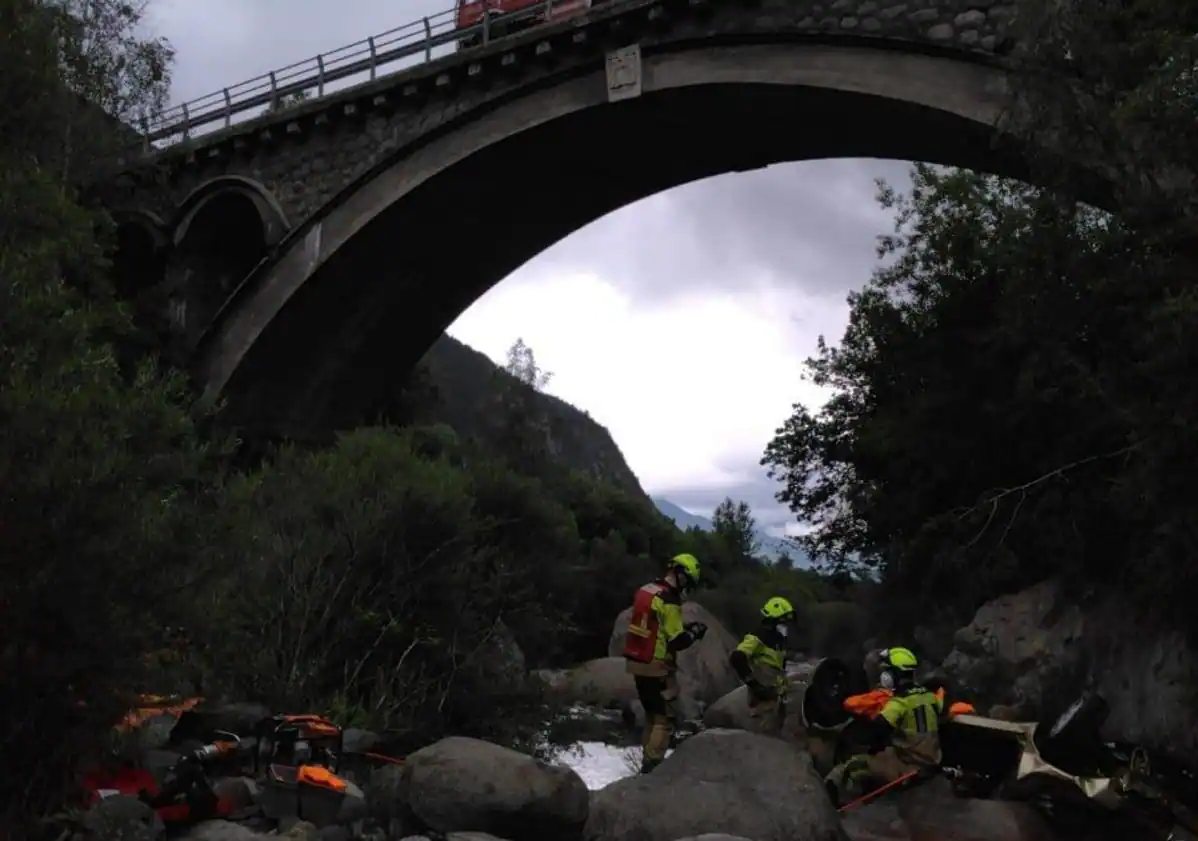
[(1017, 659)]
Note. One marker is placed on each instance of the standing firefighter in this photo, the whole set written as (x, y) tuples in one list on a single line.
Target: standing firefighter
[(655, 636), (760, 662), (906, 732)]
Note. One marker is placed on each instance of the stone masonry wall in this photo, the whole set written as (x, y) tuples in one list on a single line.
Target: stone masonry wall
[(307, 154)]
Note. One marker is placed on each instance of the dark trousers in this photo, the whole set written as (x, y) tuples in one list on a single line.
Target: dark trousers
[(657, 695)]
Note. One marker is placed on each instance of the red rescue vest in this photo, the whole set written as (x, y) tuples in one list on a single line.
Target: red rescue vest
[(640, 643)]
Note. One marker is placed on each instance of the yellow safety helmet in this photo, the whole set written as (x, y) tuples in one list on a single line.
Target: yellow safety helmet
[(689, 565), (778, 608), (899, 659)]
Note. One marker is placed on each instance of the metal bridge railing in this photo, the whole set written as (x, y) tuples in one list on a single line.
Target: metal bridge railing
[(365, 59)]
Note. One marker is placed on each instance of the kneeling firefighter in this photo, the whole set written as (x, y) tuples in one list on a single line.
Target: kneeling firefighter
[(906, 735), (760, 662), (655, 636)]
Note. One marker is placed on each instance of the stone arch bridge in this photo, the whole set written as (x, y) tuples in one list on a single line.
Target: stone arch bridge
[(306, 259)]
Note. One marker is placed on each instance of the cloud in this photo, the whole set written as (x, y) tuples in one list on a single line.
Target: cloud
[(223, 42), (691, 393), (791, 226)]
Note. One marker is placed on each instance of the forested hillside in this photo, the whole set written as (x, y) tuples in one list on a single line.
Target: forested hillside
[(468, 387)]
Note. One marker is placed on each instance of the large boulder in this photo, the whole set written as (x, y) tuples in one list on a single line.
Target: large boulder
[(815, 715), (121, 818), (468, 785), (502, 657), (704, 673), (719, 781), (221, 831), (1032, 652), (604, 682), (876, 821), (931, 812)]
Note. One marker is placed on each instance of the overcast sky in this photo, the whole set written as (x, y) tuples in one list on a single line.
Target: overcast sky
[(680, 322)]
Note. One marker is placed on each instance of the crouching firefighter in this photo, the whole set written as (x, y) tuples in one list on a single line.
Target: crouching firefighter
[(655, 636), (905, 737), (760, 662)]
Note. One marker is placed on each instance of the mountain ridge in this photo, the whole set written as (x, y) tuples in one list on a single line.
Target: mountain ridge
[(771, 547)]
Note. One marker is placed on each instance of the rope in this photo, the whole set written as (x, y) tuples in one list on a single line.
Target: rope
[(877, 792)]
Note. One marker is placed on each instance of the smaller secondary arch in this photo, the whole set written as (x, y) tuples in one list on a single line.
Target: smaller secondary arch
[(274, 220), (962, 89), (139, 255)]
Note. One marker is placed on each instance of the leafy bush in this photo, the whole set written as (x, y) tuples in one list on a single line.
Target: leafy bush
[(376, 585), (104, 482)]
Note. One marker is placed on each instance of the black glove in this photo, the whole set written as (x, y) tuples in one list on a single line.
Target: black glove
[(697, 630)]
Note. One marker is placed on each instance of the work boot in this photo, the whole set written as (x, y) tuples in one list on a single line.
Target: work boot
[(647, 765)]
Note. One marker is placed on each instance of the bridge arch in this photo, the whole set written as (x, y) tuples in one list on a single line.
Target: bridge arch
[(210, 195), (354, 297), (139, 255), (220, 232)]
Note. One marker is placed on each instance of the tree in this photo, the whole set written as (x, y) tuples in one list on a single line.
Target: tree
[(1112, 85), (523, 431), (735, 524), (98, 77), (994, 419), (107, 486), (522, 364)]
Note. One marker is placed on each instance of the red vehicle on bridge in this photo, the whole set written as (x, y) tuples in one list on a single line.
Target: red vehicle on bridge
[(510, 16)]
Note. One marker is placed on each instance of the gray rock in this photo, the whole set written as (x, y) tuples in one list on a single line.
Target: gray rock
[(719, 781), (357, 740), (1032, 652), (220, 831), (969, 19), (121, 818), (460, 784)]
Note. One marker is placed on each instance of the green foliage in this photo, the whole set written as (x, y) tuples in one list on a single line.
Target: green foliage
[(735, 525), (522, 365), (106, 485), (1012, 395), (383, 583), (999, 413)]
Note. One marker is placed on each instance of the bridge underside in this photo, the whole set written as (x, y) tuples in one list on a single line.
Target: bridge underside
[(353, 331)]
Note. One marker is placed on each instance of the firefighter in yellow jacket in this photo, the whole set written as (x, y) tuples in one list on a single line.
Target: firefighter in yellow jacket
[(760, 661), (906, 733), (655, 636)]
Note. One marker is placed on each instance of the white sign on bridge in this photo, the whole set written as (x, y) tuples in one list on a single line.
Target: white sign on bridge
[(624, 73)]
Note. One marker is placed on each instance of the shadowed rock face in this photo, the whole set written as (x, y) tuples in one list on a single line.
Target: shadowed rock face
[(1032, 652), (719, 781), (931, 812)]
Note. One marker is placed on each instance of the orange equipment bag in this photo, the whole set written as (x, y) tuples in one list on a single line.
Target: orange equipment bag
[(640, 643)]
